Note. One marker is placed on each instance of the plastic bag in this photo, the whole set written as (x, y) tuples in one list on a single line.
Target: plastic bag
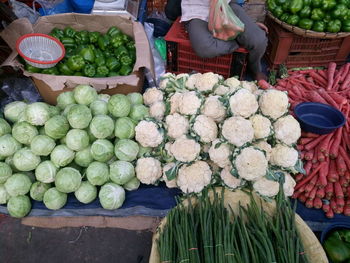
[(51, 7), (223, 23), (22, 10)]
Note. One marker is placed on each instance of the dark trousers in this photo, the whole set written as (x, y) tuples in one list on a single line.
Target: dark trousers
[(253, 39)]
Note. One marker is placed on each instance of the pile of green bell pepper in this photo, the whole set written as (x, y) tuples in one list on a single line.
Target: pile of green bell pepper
[(318, 15), (93, 54), (337, 246)]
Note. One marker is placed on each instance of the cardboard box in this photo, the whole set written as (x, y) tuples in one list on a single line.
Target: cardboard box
[(51, 86)]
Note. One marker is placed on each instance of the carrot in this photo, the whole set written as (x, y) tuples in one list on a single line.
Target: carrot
[(339, 209), (312, 145), (322, 73), (324, 145), (264, 84), (317, 203), (320, 193), (338, 191), (309, 203), (327, 97), (314, 96), (322, 179), (311, 185), (340, 202), (333, 151), (345, 156), (343, 182), (312, 193), (336, 82), (338, 98), (325, 207), (309, 134), (332, 174), (303, 141), (346, 83), (302, 198), (300, 147), (307, 167), (346, 211), (319, 79), (299, 177), (330, 74), (341, 166), (329, 190), (309, 177), (333, 203), (330, 213), (309, 155), (345, 72), (320, 156), (296, 194)]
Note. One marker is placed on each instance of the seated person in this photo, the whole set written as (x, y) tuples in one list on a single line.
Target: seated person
[(195, 13)]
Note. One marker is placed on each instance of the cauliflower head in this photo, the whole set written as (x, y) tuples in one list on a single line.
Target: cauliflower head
[(185, 150), (164, 80), (205, 127), (189, 103), (191, 81), (152, 95), (266, 147), (147, 134), (171, 183), (233, 83), (228, 179), (207, 81), (273, 103), (249, 85), (221, 90), (221, 155), (214, 108), (193, 178), (266, 187), (261, 125), (289, 184), (237, 131), (148, 170), (177, 125), (283, 156), (174, 101), (287, 130), (243, 103), (251, 164), (157, 110)]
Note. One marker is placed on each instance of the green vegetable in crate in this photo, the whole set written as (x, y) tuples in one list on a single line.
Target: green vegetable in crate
[(50, 71), (305, 23), (126, 60), (69, 32), (327, 18), (88, 54), (32, 69), (305, 12), (277, 11), (130, 45), (126, 38), (334, 26), (70, 51), (103, 42), (57, 33), (117, 41), (328, 4), (93, 37), (120, 51), (296, 6), (271, 5), (102, 71), (340, 12), (113, 64), (317, 14), (286, 6), (316, 3), (307, 2), (75, 63), (125, 70), (68, 42), (100, 61), (82, 37), (346, 26), (293, 20), (336, 246), (89, 70), (114, 31), (319, 26)]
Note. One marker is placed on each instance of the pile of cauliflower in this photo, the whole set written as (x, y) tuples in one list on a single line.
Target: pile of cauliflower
[(206, 130)]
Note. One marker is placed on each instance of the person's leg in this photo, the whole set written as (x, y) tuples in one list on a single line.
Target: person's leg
[(203, 42), (253, 38)]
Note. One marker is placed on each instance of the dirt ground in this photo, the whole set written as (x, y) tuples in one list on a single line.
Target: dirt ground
[(25, 244)]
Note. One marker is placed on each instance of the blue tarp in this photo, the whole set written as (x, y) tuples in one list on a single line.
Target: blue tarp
[(145, 201)]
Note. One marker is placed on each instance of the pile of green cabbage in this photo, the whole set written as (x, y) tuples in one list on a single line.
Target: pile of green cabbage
[(84, 145)]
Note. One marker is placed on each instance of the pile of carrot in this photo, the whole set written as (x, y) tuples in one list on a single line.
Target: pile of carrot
[(326, 184)]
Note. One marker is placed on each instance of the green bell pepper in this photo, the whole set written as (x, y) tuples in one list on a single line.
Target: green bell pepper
[(293, 20), (76, 63), (120, 51), (286, 7), (131, 46), (305, 23), (88, 54), (296, 6), (98, 53), (102, 71), (64, 69), (271, 4), (340, 12), (307, 2), (68, 42), (132, 55), (126, 38), (113, 64), (334, 26), (113, 74), (108, 53), (316, 3), (126, 60), (69, 32), (55, 36), (125, 70), (117, 41), (70, 51), (344, 2), (305, 12), (82, 37), (328, 4), (100, 61), (337, 250), (93, 37), (50, 71), (32, 69), (327, 18), (319, 26), (103, 42), (317, 14), (113, 31), (284, 17), (278, 11), (58, 32), (346, 26), (280, 2), (89, 71)]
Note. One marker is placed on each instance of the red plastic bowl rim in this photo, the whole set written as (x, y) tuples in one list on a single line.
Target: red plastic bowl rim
[(18, 42)]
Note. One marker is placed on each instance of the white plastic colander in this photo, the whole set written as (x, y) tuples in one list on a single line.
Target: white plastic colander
[(40, 50)]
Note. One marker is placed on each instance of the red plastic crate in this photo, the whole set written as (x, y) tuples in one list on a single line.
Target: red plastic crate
[(292, 50), (182, 59), (155, 5)]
